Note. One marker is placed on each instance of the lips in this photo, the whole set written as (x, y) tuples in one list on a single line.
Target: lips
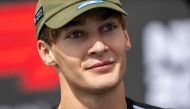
[(101, 66)]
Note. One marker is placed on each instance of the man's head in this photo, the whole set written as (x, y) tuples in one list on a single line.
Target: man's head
[(56, 14), (50, 35), (88, 50)]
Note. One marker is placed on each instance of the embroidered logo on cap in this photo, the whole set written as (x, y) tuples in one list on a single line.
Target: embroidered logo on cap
[(39, 15), (90, 2)]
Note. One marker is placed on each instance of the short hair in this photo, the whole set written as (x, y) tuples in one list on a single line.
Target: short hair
[(49, 35)]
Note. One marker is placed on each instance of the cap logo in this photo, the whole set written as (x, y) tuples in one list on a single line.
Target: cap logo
[(90, 2), (39, 15)]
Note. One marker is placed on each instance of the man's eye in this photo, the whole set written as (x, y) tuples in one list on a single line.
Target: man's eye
[(109, 27), (75, 35)]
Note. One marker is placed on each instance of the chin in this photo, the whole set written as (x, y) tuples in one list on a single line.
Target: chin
[(105, 83)]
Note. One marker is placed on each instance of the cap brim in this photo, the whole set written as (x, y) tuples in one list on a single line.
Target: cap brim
[(62, 18)]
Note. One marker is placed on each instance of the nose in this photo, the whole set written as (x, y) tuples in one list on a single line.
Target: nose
[(98, 48)]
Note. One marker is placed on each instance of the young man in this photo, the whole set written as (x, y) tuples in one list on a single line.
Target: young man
[(86, 41)]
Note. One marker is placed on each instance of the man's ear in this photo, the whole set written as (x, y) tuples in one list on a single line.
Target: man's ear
[(45, 53), (127, 40)]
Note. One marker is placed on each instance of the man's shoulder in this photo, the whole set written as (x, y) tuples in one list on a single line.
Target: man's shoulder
[(131, 104)]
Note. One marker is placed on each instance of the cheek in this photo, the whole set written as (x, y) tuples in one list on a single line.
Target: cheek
[(69, 67), (67, 60), (72, 52), (71, 49), (119, 45)]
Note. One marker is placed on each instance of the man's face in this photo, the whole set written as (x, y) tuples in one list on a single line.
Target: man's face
[(91, 52)]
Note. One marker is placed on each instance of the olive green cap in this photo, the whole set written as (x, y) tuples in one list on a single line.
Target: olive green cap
[(57, 13)]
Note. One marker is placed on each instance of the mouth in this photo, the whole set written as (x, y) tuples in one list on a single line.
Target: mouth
[(104, 66)]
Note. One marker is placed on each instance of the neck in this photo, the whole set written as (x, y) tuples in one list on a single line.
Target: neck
[(76, 99)]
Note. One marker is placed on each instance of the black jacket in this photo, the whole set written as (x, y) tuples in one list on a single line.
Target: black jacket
[(133, 105)]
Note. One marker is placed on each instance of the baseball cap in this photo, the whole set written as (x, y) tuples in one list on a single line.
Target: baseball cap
[(57, 13)]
